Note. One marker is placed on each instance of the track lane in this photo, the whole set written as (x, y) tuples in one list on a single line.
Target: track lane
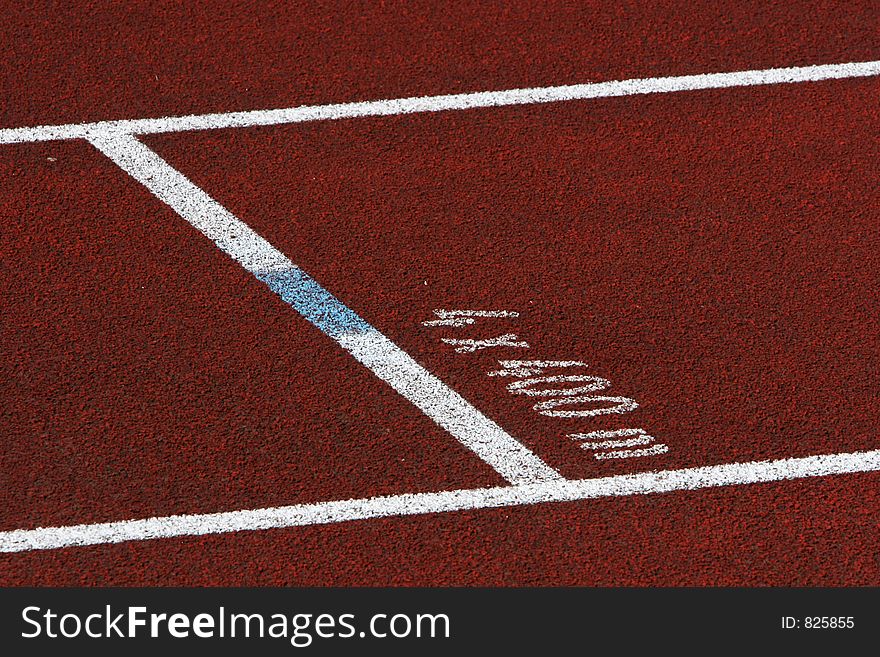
[(697, 250)]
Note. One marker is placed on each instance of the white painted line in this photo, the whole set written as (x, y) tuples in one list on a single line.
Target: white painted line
[(445, 102), (510, 458), (731, 474)]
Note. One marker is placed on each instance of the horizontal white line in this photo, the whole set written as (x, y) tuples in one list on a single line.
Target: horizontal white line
[(445, 102), (49, 538)]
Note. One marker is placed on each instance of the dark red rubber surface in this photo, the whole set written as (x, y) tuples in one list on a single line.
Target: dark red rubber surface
[(712, 253)]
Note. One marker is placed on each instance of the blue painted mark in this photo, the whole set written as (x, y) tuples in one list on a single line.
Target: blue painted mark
[(313, 302)]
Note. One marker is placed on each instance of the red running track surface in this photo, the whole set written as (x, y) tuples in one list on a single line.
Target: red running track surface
[(711, 253)]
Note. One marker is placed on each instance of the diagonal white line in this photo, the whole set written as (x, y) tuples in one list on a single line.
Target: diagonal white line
[(731, 474), (510, 458), (446, 102)]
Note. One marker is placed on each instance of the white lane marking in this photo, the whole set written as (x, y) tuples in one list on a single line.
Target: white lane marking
[(446, 102), (459, 318), (731, 474), (510, 458), (470, 346)]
